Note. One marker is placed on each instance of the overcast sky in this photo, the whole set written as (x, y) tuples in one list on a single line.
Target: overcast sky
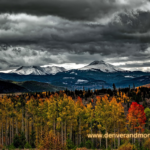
[(75, 32)]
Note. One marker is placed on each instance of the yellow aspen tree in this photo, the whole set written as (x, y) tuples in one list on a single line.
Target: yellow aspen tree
[(90, 116)]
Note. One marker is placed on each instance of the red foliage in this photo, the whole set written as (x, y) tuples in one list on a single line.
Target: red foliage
[(136, 116), (79, 101)]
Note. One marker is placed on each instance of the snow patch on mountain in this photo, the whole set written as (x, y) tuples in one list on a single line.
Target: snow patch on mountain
[(128, 76), (65, 83), (68, 77), (80, 81), (73, 73)]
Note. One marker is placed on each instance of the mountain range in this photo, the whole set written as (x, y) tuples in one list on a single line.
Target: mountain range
[(37, 70), (96, 75)]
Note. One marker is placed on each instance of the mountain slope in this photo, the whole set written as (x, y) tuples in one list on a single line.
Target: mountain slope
[(37, 70), (101, 66), (87, 78), (39, 86), (7, 87)]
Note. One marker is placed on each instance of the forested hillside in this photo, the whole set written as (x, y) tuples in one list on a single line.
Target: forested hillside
[(63, 119)]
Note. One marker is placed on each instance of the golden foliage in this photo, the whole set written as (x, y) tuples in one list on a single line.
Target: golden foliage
[(127, 146), (147, 144)]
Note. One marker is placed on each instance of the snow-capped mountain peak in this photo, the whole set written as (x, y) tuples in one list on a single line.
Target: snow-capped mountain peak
[(101, 66), (37, 70)]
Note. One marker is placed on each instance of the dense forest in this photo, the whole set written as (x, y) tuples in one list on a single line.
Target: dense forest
[(62, 120)]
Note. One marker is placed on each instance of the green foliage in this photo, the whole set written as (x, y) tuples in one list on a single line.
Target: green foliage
[(88, 144), (19, 141), (147, 112), (74, 148), (137, 144), (109, 148), (16, 141), (32, 139), (22, 140), (81, 145), (147, 144), (70, 144), (27, 146), (146, 131), (10, 147)]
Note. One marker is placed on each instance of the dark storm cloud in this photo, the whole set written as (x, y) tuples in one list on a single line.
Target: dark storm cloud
[(40, 40), (56, 33), (70, 9)]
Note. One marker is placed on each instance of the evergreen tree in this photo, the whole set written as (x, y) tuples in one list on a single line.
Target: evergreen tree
[(114, 87), (133, 86), (16, 141), (32, 139), (22, 140)]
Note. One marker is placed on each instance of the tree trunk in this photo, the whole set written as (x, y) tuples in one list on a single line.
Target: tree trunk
[(22, 121), (6, 131), (62, 141), (30, 129), (65, 132), (118, 137), (26, 128), (71, 131), (41, 130), (77, 139), (114, 138), (92, 133), (2, 134), (54, 128), (79, 130), (139, 138), (106, 140), (16, 120), (100, 139), (132, 136), (134, 133), (12, 129), (37, 137)]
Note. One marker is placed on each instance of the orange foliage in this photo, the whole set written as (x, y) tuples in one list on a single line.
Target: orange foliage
[(136, 116), (79, 102), (51, 141)]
